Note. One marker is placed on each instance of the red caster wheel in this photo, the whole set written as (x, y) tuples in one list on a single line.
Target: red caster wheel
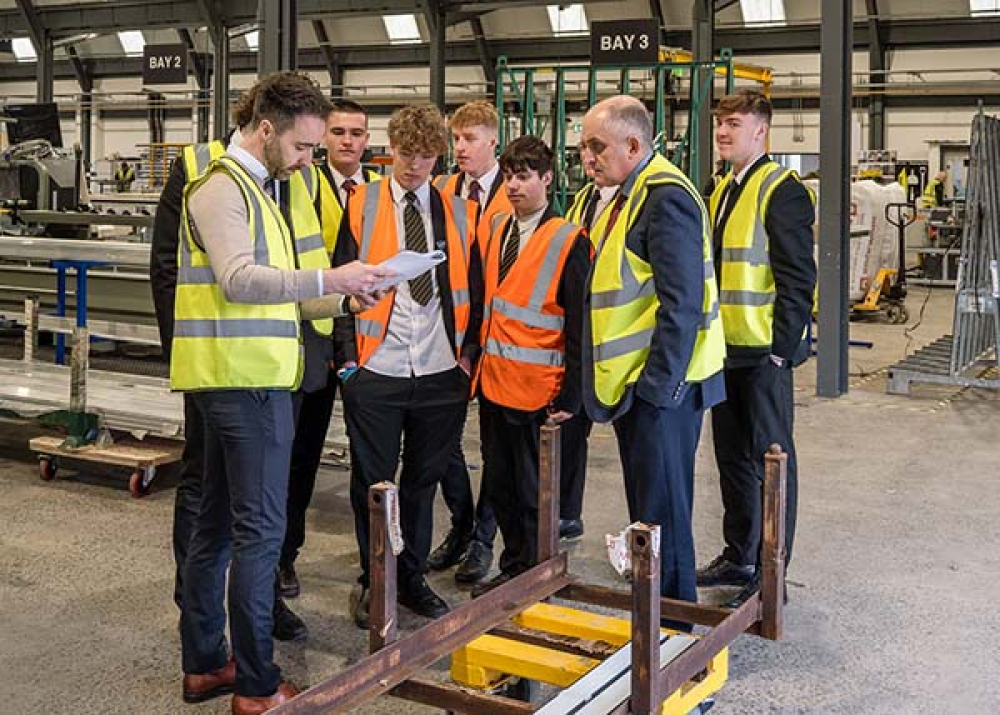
[(140, 482), (47, 467)]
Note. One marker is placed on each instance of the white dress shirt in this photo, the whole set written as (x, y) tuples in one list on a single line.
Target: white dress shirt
[(485, 184), (358, 177)]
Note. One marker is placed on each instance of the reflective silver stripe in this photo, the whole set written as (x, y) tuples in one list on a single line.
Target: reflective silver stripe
[(459, 337), (369, 328), (498, 220), (534, 318), (611, 298), (255, 328), (307, 179), (368, 215), (532, 356), (708, 270), (547, 272), (623, 345), (460, 297), (460, 210), (312, 242), (261, 254), (707, 318), (745, 298), (755, 255), (195, 275), (441, 181), (202, 158)]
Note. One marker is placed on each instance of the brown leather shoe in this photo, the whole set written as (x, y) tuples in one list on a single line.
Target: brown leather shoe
[(199, 687), (246, 705)]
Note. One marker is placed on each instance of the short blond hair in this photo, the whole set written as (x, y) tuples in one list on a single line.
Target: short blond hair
[(479, 113), (418, 128)]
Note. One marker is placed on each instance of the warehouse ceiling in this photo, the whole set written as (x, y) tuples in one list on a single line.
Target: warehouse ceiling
[(356, 30)]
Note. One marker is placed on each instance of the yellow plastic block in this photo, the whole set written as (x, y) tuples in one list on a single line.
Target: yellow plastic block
[(483, 663)]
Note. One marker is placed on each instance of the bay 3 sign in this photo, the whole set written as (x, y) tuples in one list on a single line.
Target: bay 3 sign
[(624, 42)]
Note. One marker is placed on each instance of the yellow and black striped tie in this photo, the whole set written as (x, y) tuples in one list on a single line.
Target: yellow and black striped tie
[(510, 250), (421, 287)]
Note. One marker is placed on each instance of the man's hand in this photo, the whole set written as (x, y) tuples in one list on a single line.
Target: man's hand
[(365, 301), (559, 416), (355, 278)]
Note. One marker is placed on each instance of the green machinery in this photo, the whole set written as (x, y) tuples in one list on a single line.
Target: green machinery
[(525, 90)]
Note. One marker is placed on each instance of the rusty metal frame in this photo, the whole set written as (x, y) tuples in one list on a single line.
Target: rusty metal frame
[(394, 662)]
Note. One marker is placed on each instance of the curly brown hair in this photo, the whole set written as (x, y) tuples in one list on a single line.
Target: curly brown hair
[(280, 97), (418, 128)]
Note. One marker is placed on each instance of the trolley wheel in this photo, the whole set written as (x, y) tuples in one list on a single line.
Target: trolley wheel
[(904, 314), (895, 313), (140, 481), (47, 467)]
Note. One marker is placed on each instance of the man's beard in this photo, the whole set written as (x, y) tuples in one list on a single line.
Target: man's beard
[(274, 162)]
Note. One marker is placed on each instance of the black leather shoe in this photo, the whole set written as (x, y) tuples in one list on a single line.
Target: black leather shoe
[(421, 599), (288, 626), (288, 581), (486, 586), (722, 572), (476, 564), (359, 603), (450, 552), (749, 590), (570, 529)]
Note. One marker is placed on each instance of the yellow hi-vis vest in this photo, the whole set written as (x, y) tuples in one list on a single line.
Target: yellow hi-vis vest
[(746, 282), (623, 300), (303, 187), (574, 214), (220, 345), (330, 210)]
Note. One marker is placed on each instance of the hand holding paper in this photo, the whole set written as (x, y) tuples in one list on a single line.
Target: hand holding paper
[(407, 265)]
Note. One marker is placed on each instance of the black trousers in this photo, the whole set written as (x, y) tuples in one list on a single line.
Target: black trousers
[(657, 448), (574, 435), (188, 496), (758, 412), (467, 516), (510, 478), (312, 420), (424, 416)]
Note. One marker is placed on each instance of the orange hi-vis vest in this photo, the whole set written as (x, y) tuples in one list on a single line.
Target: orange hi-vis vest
[(373, 225), (523, 338), (448, 186)]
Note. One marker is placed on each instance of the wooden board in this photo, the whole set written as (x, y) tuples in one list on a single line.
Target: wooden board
[(127, 453)]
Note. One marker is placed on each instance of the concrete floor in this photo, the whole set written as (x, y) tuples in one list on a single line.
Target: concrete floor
[(892, 589)]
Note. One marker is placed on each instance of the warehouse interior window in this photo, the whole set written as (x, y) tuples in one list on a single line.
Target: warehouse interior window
[(979, 8), (402, 29), (23, 49), (569, 19), (252, 39), (763, 13), (132, 42)]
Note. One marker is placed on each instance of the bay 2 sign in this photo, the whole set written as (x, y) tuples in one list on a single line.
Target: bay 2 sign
[(622, 42), (165, 64)]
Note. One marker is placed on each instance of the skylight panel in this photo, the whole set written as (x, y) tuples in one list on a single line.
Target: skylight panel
[(132, 42), (23, 49), (252, 39), (981, 8), (568, 19), (763, 13), (402, 29)]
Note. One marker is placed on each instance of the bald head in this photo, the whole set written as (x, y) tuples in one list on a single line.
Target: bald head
[(617, 136)]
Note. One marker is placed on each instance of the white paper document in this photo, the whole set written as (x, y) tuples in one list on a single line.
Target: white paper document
[(408, 265)]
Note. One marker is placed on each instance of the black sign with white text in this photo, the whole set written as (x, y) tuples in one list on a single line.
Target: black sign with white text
[(165, 64), (624, 42)]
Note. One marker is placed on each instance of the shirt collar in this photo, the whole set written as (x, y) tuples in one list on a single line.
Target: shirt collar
[(485, 181), (358, 177), (249, 162), (746, 169), (423, 193), (626, 187), (529, 224)]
